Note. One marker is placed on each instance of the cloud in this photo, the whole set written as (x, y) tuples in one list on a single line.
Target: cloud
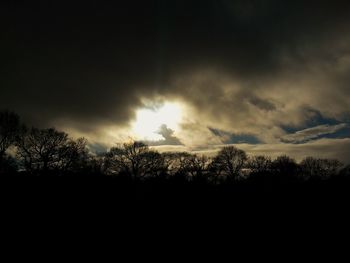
[(244, 67), (229, 138), (168, 135), (312, 133)]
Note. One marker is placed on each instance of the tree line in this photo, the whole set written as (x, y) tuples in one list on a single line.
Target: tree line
[(42, 152)]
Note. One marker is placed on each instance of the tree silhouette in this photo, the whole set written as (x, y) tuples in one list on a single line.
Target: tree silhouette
[(152, 164), (43, 150), (259, 164), (189, 166), (229, 161), (176, 163), (74, 156), (284, 166), (135, 159), (312, 168), (197, 166), (331, 167)]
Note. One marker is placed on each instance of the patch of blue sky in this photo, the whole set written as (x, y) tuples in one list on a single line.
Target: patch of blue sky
[(230, 138), (316, 119)]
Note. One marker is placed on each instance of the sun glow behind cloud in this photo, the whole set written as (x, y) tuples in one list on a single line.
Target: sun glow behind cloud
[(149, 120)]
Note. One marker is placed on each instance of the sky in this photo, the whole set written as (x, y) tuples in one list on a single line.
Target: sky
[(271, 77)]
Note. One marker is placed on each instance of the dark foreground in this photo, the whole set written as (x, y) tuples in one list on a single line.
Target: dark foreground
[(80, 191), (137, 212)]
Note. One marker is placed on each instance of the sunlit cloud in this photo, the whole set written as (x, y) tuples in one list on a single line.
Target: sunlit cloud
[(149, 121), (242, 69)]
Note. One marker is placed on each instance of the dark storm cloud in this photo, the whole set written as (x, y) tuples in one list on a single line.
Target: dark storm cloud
[(262, 104), (91, 63)]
